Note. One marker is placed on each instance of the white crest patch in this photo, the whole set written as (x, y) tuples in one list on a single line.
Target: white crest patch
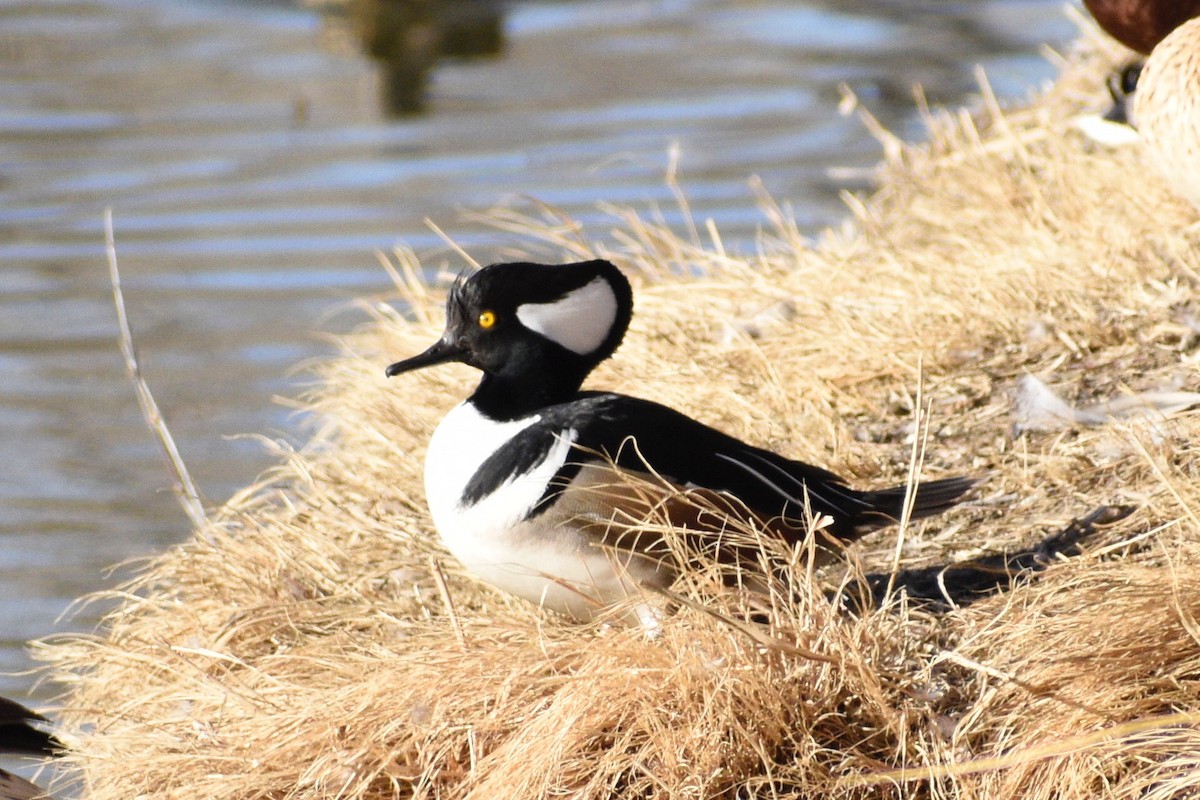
[(580, 320)]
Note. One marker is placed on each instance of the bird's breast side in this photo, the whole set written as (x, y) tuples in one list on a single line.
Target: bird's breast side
[(462, 442), (491, 535), (546, 558)]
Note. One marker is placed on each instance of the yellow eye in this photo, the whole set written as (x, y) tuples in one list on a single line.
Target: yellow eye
[(487, 319)]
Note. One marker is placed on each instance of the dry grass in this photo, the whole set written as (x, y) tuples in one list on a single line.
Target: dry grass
[(308, 649)]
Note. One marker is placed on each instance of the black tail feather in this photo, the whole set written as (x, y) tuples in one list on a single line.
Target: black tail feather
[(18, 736), (886, 506), (956, 585)]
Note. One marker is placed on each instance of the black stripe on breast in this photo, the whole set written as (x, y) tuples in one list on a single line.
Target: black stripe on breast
[(519, 456)]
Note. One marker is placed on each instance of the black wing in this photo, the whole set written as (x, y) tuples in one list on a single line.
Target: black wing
[(635, 433)]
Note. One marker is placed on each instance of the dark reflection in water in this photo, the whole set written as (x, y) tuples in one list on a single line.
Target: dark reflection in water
[(253, 175), (406, 38)]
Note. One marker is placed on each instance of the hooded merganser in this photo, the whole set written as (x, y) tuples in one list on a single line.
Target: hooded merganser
[(1166, 109), (520, 477)]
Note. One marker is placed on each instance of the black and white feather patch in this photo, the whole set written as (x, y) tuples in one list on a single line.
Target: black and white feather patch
[(519, 456)]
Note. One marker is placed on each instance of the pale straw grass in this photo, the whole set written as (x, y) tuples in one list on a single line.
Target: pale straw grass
[(319, 643)]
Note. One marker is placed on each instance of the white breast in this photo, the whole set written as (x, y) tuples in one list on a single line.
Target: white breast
[(459, 446), (547, 559)]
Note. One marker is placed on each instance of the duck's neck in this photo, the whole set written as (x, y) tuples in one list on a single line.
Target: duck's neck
[(505, 398)]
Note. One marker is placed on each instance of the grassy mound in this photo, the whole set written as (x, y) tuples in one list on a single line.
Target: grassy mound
[(316, 642)]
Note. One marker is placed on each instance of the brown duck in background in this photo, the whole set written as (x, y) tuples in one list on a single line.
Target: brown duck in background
[(1160, 98), (1141, 24), (1166, 108)]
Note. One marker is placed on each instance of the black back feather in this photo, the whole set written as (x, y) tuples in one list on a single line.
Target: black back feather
[(637, 434)]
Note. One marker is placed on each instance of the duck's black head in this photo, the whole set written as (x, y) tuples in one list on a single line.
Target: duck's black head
[(535, 330)]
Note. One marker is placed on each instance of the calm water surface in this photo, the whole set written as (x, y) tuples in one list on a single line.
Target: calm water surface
[(253, 175)]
